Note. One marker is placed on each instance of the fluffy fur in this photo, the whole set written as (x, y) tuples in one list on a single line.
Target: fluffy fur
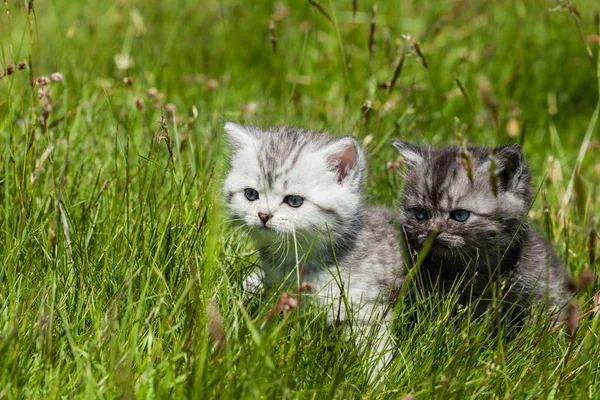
[(331, 240), (496, 239)]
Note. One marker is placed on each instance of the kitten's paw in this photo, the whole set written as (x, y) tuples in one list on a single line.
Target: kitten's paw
[(253, 284)]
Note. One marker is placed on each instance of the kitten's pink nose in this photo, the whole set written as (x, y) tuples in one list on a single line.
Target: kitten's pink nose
[(264, 217)]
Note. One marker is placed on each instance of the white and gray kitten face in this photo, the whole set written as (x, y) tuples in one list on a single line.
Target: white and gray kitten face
[(468, 218), (288, 181)]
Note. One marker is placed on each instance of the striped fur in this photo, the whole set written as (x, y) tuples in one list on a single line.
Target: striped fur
[(496, 240), (344, 248)]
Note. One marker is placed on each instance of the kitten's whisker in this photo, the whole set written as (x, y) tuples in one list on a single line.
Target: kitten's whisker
[(287, 250), (279, 243), (230, 220), (235, 231), (281, 255)]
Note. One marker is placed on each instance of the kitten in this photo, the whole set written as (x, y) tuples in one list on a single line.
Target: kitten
[(300, 196), (477, 230)]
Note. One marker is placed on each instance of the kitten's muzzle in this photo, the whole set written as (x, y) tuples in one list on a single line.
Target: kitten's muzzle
[(264, 217), (448, 240)]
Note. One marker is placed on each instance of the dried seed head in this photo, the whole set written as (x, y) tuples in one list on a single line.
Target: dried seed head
[(21, 65), (390, 105), (372, 26), (42, 92), (212, 84), (304, 26), (123, 61), (44, 116), (417, 87), (395, 165), (138, 22), (165, 134), (465, 156), (46, 109), (321, 9), (139, 103), (367, 140), (250, 108), (41, 81), (10, 69), (287, 302), (512, 127), (515, 110), (281, 11), (467, 163), (486, 92), (128, 81), (171, 109), (39, 165), (579, 192), (420, 54), (57, 77), (152, 92), (554, 169), (397, 72), (194, 116), (215, 325), (306, 287), (367, 105), (464, 92)]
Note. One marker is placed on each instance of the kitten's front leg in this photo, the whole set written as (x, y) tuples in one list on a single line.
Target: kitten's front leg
[(253, 284), (371, 332), (374, 339)]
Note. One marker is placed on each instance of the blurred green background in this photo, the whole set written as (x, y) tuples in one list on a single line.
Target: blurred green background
[(112, 248)]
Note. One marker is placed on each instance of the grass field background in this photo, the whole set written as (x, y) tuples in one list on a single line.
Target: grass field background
[(116, 258)]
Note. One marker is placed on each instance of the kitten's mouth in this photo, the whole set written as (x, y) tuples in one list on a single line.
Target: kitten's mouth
[(442, 244), (263, 232), (440, 248)]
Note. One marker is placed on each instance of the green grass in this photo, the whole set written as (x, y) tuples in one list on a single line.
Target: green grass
[(111, 252)]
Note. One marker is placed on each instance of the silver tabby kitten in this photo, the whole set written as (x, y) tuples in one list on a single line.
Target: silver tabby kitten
[(477, 230), (300, 196)]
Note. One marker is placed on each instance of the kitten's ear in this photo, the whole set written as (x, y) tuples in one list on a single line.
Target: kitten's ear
[(346, 158), (412, 153), (239, 136), (511, 168)]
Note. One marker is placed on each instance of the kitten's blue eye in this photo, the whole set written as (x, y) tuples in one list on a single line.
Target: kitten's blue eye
[(251, 194), (293, 201), (460, 215), (421, 213)]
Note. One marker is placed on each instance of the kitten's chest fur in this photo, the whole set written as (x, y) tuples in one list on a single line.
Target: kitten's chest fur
[(527, 271), (367, 270), (297, 267)]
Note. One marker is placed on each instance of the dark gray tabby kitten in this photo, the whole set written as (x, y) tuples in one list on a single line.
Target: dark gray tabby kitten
[(477, 231), (299, 194)]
